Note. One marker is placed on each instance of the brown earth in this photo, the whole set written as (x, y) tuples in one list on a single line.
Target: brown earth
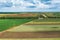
[(45, 34), (18, 15)]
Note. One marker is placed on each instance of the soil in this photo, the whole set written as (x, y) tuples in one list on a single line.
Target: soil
[(45, 34)]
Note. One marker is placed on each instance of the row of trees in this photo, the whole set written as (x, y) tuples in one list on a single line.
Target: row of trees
[(31, 17), (18, 17)]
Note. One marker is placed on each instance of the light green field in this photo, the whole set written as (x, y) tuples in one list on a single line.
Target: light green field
[(48, 20), (9, 23), (34, 39), (35, 28)]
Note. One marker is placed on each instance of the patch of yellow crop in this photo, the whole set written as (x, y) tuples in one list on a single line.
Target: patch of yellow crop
[(33, 39), (43, 22)]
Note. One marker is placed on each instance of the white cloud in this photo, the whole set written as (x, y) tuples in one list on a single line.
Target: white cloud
[(55, 1), (39, 5), (54, 4)]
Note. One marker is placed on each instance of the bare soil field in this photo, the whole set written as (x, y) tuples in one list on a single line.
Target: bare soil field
[(45, 34)]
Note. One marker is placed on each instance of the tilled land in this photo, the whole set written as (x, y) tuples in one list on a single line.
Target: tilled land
[(45, 34)]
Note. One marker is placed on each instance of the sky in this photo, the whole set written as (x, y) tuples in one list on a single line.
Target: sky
[(29, 5)]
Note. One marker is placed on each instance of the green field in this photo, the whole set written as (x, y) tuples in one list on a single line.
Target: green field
[(48, 20), (9, 23)]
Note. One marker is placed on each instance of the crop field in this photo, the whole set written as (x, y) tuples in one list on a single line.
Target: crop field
[(9, 23), (34, 39), (18, 28), (48, 20), (35, 28)]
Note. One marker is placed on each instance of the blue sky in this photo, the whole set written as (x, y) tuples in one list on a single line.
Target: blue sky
[(29, 5)]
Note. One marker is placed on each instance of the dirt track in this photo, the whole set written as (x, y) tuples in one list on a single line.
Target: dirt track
[(50, 34)]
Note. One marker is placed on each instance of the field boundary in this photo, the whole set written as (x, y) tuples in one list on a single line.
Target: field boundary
[(12, 28), (42, 23)]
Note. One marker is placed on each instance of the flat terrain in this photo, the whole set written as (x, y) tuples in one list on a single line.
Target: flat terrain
[(33, 39), (9, 23), (48, 20), (44, 34), (35, 28), (18, 30), (28, 31)]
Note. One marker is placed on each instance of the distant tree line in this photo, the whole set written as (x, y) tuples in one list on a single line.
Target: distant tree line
[(18, 17)]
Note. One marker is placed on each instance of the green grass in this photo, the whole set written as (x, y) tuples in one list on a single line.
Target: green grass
[(8, 23), (48, 20)]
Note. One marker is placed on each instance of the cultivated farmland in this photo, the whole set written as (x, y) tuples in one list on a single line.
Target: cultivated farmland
[(9, 23)]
